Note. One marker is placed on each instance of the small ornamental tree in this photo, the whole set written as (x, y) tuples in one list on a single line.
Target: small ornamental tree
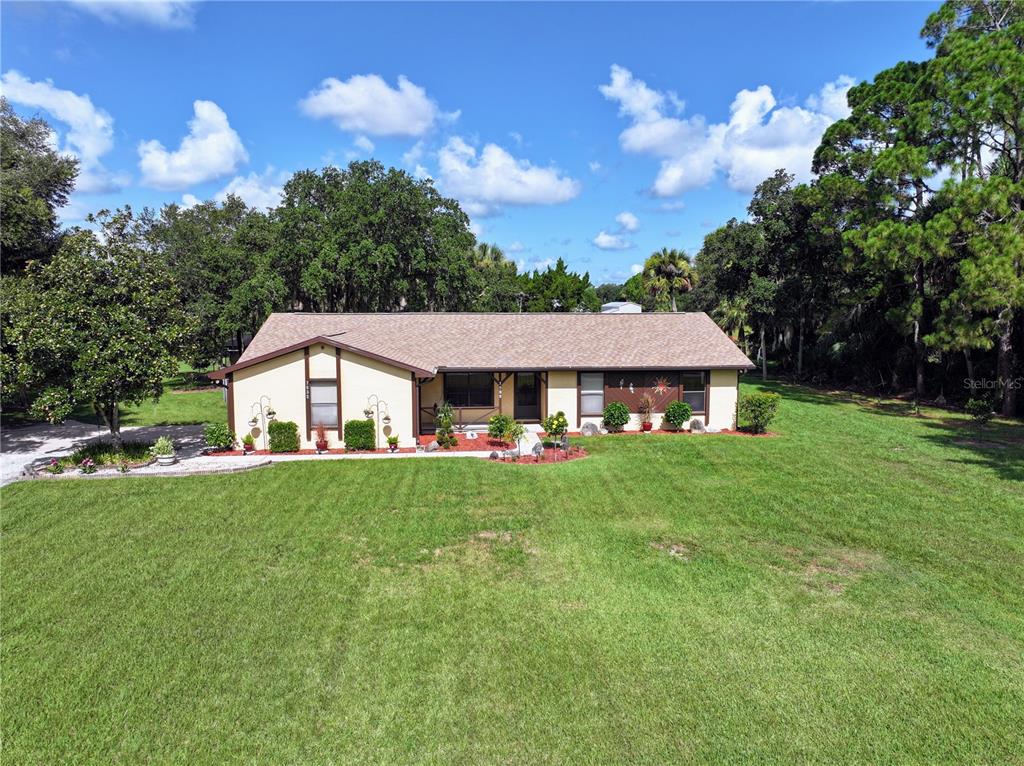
[(759, 410), (100, 325), (555, 425), (980, 410)]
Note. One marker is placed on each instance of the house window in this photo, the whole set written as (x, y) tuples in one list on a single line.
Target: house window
[(323, 403), (591, 393), (469, 389), (693, 390)]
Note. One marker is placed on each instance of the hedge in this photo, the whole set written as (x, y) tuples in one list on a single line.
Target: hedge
[(360, 434), (284, 436)]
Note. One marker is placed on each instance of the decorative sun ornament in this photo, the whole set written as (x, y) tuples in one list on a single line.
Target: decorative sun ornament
[(661, 385)]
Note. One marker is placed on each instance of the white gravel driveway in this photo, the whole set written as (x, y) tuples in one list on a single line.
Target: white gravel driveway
[(38, 443)]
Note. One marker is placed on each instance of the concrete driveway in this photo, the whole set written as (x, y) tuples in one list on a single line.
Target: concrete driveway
[(37, 443)]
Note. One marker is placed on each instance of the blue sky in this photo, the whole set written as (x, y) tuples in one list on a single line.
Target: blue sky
[(594, 132)]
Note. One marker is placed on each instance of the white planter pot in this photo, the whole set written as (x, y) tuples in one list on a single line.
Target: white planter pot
[(166, 459)]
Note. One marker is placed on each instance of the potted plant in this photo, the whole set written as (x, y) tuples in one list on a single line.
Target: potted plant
[(321, 438), (248, 444), (646, 407), (163, 451), (393, 442)]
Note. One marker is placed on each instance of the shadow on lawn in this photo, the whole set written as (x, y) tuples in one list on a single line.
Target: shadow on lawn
[(998, 446)]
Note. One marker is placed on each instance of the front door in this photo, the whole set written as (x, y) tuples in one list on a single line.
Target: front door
[(527, 396)]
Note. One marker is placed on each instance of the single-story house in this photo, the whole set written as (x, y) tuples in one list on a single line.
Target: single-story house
[(329, 368)]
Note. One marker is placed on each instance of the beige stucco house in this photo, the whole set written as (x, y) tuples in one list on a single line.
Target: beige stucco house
[(329, 368)]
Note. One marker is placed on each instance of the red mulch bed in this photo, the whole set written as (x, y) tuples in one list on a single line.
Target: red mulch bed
[(551, 455), (725, 431), (481, 443), (335, 451)]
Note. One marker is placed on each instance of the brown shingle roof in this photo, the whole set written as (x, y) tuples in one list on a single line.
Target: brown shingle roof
[(440, 341)]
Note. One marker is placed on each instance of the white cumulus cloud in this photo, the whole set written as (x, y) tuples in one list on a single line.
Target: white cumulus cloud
[(365, 103), (627, 221), (759, 137), (362, 142), (211, 149), (636, 268), (606, 241), (169, 14), (90, 130), (485, 181), (260, 190)]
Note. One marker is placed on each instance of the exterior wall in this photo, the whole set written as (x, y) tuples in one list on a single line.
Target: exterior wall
[(362, 378), (723, 398), (562, 395), (432, 392), (721, 404), (283, 380)]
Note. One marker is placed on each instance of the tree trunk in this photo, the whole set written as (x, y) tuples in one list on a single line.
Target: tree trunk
[(672, 296), (970, 367), (800, 349), (112, 419), (918, 334), (1005, 366), (764, 357)]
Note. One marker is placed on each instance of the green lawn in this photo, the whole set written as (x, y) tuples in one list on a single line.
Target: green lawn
[(849, 591), (181, 404)]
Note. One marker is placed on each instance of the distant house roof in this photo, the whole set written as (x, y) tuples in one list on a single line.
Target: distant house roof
[(426, 343), (621, 307)]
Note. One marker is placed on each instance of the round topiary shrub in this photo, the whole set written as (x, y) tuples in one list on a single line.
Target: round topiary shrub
[(616, 415), (678, 414)]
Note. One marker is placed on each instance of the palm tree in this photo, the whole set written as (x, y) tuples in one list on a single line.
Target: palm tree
[(731, 314), (668, 271), (485, 254)]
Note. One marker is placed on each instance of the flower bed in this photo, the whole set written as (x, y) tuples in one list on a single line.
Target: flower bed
[(483, 443), (674, 432), (550, 455)]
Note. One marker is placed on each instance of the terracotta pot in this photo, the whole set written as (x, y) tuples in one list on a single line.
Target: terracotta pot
[(322, 446), (647, 426), (248, 449)]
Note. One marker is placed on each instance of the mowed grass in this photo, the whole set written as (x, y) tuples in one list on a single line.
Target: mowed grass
[(851, 590), (181, 403)]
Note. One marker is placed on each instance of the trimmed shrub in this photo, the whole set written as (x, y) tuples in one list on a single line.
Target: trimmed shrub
[(616, 415), (498, 426), (218, 436), (360, 434), (444, 433), (555, 425), (759, 410), (980, 410), (284, 436), (677, 414)]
